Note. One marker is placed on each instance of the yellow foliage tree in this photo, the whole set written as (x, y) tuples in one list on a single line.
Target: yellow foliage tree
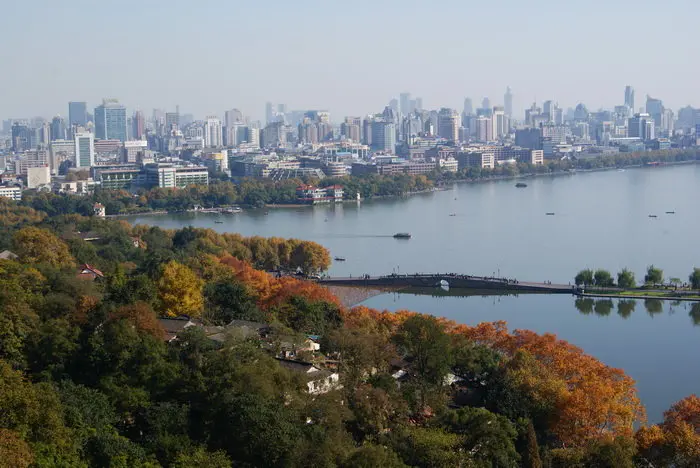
[(34, 245), (180, 291)]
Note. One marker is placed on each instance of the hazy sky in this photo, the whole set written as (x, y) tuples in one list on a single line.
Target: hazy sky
[(350, 57)]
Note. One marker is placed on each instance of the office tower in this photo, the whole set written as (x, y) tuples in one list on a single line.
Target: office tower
[(405, 99), (172, 121), (641, 126), (269, 112), (383, 136), (213, 137), (486, 103), (484, 129), (499, 122), (655, 108), (557, 115), (234, 116), (468, 106), (351, 129), (58, 128), (547, 109), (44, 134), (77, 113), (282, 108), (138, 124), (581, 113), (448, 124), (110, 121), (629, 97), (21, 137), (394, 106), (84, 149), (419, 103), (508, 102)]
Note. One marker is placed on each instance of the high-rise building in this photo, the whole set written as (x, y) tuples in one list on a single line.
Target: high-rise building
[(448, 124), (383, 136), (77, 113), (394, 106), (629, 97), (641, 126), (468, 106), (547, 109), (499, 122), (84, 149), (138, 124), (484, 129), (508, 102), (58, 128), (213, 137), (110, 121), (351, 129), (269, 112), (282, 108), (419, 103), (406, 104), (486, 103), (172, 121), (655, 108), (234, 116), (21, 137)]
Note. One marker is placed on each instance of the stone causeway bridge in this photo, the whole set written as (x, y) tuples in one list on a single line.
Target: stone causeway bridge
[(452, 280)]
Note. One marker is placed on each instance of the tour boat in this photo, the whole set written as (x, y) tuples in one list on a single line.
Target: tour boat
[(402, 235), (521, 185)]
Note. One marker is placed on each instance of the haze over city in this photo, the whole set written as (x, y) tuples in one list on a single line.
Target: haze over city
[(348, 58)]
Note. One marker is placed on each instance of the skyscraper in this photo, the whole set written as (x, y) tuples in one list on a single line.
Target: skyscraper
[(419, 103), (110, 121), (508, 102), (213, 137), (58, 128), (172, 121), (138, 124), (629, 97), (21, 137), (486, 103), (405, 101), (77, 113), (448, 124), (383, 136), (655, 108), (269, 112), (233, 116), (84, 149), (499, 122), (468, 106)]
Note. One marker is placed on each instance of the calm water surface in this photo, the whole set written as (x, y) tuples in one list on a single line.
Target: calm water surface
[(601, 221)]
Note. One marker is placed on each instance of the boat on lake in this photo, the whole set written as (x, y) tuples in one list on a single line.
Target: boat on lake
[(653, 216), (402, 235), (670, 212), (219, 222), (339, 259), (550, 214), (521, 185), (231, 210)]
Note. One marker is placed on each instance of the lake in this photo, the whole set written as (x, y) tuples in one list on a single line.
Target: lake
[(601, 220)]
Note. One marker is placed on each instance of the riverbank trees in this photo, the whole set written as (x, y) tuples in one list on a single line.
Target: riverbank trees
[(87, 377)]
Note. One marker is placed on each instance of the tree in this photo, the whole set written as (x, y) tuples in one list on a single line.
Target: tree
[(200, 458), (488, 437), (675, 282), (14, 452), (585, 278), (625, 279), (372, 456), (530, 450), (423, 341), (654, 275), (34, 245), (429, 447), (603, 278), (694, 278), (228, 300), (180, 291)]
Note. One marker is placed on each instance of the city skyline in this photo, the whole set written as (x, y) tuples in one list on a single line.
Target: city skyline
[(368, 80)]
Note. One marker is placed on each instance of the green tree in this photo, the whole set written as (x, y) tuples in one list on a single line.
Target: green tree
[(430, 448), (584, 278), (422, 340), (530, 450), (488, 437), (654, 275), (180, 291), (603, 278), (200, 458), (373, 456), (625, 279), (228, 300), (694, 278)]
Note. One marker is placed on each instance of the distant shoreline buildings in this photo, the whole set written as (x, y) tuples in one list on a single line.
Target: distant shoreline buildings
[(125, 150)]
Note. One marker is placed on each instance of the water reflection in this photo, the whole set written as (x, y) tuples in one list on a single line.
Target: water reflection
[(626, 307)]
